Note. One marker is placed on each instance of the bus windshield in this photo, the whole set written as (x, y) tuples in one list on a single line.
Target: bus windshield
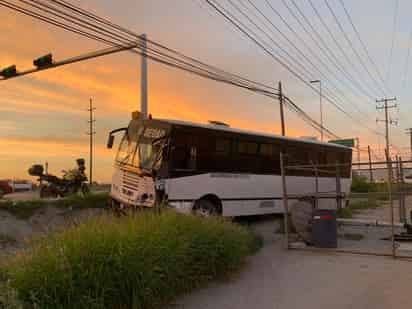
[(142, 149)]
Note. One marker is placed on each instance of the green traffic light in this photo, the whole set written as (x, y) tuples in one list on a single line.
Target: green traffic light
[(43, 61), (9, 71)]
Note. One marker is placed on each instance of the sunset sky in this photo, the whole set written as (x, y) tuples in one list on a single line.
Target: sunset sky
[(43, 116)]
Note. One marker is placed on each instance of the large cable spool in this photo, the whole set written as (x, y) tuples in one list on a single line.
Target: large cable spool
[(301, 216)]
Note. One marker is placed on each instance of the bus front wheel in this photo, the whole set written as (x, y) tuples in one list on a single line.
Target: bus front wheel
[(205, 208)]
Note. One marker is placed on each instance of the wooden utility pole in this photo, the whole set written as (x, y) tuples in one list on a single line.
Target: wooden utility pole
[(370, 165), (282, 115), (387, 121), (91, 133), (409, 132)]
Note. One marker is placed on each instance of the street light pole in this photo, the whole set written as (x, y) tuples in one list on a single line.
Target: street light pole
[(320, 106)]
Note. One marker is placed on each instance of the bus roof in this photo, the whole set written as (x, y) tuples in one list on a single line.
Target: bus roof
[(241, 131)]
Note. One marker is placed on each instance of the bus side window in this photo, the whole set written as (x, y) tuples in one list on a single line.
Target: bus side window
[(269, 159), (192, 158), (249, 148), (222, 146), (184, 153)]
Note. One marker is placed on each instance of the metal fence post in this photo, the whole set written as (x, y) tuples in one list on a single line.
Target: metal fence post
[(402, 197), (389, 165), (285, 200), (338, 188), (315, 168)]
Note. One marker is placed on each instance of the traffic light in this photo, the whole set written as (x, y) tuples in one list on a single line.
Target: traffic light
[(9, 71), (43, 61)]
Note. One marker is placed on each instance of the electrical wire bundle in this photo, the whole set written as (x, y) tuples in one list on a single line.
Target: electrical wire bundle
[(67, 16)]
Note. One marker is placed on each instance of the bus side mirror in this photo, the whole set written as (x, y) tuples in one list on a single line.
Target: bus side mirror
[(110, 141)]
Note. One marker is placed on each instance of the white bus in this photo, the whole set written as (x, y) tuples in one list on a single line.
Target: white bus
[(214, 169)]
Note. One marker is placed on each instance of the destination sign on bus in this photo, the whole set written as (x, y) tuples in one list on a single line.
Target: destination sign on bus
[(154, 133)]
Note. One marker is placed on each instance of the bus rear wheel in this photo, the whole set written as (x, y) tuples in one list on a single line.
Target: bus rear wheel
[(205, 208)]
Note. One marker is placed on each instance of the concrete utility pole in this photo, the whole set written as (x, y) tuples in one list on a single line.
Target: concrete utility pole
[(320, 106), (409, 132), (91, 133), (143, 90), (387, 121), (282, 116)]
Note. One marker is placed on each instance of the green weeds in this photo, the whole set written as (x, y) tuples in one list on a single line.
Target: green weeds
[(141, 261), (355, 206)]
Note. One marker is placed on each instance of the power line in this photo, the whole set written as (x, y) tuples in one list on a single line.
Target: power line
[(323, 47), (315, 67), (289, 103), (362, 42), (405, 75), (89, 15), (351, 45), (395, 18), (193, 66), (307, 47), (202, 72), (340, 48), (225, 14)]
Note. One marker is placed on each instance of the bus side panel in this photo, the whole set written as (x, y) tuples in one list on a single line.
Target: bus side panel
[(248, 194)]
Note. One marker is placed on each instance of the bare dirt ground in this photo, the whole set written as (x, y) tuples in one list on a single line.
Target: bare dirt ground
[(280, 279), (384, 212), (32, 195), (22, 196)]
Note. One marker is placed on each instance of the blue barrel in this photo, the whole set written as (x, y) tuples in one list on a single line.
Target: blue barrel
[(324, 228)]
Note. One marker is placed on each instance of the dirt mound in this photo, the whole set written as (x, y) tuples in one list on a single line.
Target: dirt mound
[(14, 232)]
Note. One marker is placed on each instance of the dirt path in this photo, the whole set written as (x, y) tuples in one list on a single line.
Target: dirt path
[(278, 279)]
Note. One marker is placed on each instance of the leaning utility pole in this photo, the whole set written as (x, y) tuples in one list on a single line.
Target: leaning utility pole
[(91, 133), (387, 121), (282, 116), (409, 132)]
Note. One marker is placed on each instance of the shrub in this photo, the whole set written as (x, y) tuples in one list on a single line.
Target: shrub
[(130, 262), (357, 205), (361, 184)]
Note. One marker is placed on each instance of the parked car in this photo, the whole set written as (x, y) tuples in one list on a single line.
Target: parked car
[(21, 185), (5, 188)]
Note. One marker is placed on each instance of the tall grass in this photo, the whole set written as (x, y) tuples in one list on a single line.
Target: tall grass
[(131, 262)]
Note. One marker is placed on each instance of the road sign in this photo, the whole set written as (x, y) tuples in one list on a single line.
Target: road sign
[(348, 142)]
